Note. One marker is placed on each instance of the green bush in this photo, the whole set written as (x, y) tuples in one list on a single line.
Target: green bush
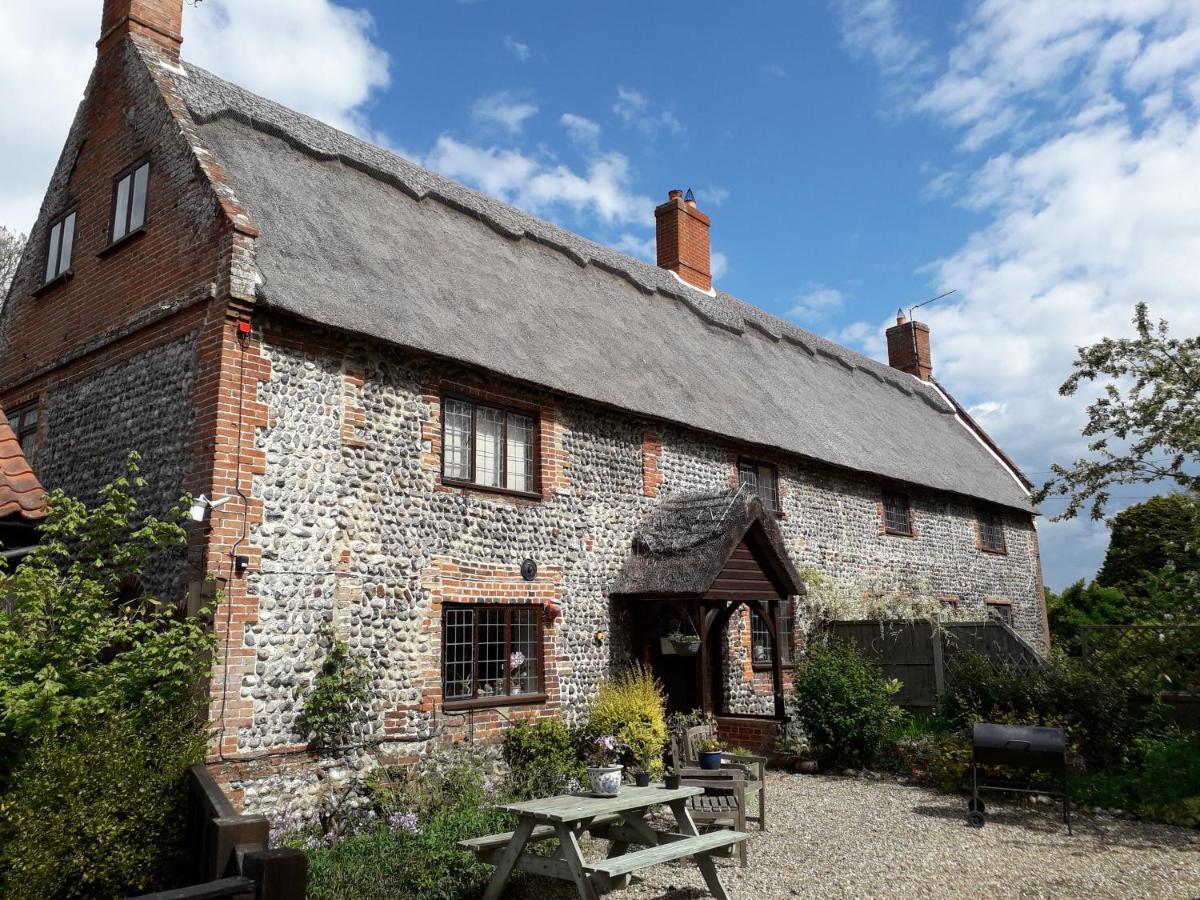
[(845, 705), (99, 811), (1160, 780), (1099, 715), (933, 753), (339, 692), (543, 758), (631, 708)]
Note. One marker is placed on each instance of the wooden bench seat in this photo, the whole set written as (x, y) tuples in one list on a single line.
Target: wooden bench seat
[(486, 844), (677, 848)]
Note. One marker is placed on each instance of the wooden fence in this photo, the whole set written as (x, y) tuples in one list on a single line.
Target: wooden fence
[(1158, 662), (228, 853), (916, 654)]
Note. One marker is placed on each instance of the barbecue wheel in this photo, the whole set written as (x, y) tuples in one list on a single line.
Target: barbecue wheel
[(976, 805), (975, 818)]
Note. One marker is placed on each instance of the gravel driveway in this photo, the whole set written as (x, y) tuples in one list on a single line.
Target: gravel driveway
[(852, 837)]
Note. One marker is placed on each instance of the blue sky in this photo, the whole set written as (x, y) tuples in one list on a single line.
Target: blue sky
[(1042, 159)]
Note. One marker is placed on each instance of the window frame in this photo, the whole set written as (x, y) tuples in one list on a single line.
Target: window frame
[(129, 172), (20, 430), (1001, 610), (475, 701), (60, 274), (788, 662), (749, 462), (884, 495), (535, 480), (982, 515)]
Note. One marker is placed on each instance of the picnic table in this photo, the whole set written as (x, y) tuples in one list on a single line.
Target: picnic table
[(621, 820)]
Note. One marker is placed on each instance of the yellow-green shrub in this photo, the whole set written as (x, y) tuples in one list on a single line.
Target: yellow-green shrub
[(631, 708)]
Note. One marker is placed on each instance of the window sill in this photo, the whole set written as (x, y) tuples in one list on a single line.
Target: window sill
[(988, 550), (128, 238), (767, 667), (903, 534), (488, 489), (489, 702), (61, 278)]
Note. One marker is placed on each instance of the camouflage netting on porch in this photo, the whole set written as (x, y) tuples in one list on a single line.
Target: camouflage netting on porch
[(683, 544)]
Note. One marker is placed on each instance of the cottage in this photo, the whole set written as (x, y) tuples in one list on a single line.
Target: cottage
[(494, 457)]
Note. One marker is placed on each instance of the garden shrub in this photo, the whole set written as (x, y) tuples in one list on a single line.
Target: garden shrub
[(931, 751), (543, 758), (1160, 780), (845, 704), (631, 708), (338, 694)]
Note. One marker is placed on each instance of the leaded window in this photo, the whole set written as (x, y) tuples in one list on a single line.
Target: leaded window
[(991, 530), (761, 479), (897, 516), (487, 446), (60, 244), (491, 652), (760, 635)]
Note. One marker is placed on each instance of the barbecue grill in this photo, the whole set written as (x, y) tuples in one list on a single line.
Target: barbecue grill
[(1027, 747)]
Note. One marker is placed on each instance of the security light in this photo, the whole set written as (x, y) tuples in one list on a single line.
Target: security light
[(201, 507)]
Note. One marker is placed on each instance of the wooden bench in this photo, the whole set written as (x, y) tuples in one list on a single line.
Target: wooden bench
[(676, 846), (485, 845)]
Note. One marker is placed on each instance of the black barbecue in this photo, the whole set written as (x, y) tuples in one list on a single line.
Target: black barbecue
[(1028, 747)]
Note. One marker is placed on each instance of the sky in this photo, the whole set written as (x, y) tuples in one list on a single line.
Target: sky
[(1041, 159)]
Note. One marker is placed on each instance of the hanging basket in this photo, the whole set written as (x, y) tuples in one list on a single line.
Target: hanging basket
[(685, 639), (685, 648)]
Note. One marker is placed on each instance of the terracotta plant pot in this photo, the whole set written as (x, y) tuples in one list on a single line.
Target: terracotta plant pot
[(642, 779), (710, 759), (605, 780)]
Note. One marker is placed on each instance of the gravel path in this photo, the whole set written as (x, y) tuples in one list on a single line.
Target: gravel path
[(851, 837)]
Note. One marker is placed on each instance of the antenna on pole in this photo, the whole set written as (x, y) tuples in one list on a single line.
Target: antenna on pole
[(930, 300)]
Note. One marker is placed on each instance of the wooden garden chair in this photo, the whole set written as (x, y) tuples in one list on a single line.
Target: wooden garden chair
[(685, 752), (723, 803)]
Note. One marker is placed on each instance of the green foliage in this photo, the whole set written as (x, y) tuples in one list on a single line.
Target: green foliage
[(543, 758), (1080, 605), (631, 708), (1160, 780), (1098, 713), (73, 647), (1163, 533), (845, 704), (938, 756), (338, 695), (99, 810), (1145, 427)]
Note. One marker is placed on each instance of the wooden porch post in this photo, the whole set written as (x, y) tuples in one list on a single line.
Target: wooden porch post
[(776, 658)]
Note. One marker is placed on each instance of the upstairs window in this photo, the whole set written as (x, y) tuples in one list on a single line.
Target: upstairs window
[(60, 242), (486, 446), (760, 636), (491, 653), (23, 420), (897, 516), (762, 479), (991, 530), (129, 201), (1001, 610)]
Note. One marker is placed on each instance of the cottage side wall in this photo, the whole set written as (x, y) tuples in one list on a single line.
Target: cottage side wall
[(358, 535)]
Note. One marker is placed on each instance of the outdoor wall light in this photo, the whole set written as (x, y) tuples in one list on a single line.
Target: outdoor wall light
[(201, 507), (551, 611)]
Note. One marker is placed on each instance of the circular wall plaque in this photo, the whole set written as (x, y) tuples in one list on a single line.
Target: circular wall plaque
[(528, 569)]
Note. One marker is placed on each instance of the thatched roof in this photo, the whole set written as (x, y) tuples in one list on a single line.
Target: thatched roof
[(685, 542)]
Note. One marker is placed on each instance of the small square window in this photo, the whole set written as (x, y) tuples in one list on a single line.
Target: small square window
[(897, 516), (1001, 611), (129, 201), (487, 446), (60, 244), (991, 530), (491, 653), (762, 479)]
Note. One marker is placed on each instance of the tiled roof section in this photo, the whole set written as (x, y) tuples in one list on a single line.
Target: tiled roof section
[(20, 491), (359, 239)]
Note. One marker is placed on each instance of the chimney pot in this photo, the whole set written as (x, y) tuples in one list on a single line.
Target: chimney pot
[(159, 20), (682, 240), (908, 348)]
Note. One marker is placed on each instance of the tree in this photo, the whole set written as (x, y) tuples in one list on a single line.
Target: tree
[(1146, 426), (11, 245), (1156, 538)]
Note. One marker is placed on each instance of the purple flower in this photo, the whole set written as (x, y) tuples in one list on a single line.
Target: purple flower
[(404, 821)]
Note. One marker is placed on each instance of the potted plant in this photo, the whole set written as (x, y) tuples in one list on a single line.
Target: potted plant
[(710, 751), (647, 762), (792, 752), (604, 772), (671, 781), (685, 643)]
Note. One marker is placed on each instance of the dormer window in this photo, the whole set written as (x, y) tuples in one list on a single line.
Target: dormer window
[(129, 201), (60, 242)]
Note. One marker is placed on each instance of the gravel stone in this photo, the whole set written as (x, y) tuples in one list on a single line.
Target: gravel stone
[(855, 837)]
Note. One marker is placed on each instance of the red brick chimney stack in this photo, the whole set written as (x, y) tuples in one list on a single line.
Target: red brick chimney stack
[(681, 236), (908, 347), (159, 20)]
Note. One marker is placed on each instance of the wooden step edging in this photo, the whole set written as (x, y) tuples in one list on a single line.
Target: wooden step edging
[(676, 847)]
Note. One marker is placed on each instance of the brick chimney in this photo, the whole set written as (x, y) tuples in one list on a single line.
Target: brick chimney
[(681, 235), (908, 347), (159, 20)]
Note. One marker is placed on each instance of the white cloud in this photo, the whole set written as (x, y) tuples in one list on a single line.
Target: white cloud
[(711, 195), (774, 70), (642, 248), (517, 49), (603, 190), (1091, 191), (580, 130), (872, 29), (719, 264), (636, 111), (816, 302), (504, 110)]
